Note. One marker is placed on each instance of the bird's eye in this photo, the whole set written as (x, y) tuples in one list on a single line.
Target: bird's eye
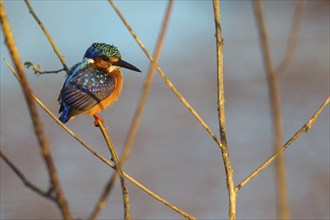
[(105, 58)]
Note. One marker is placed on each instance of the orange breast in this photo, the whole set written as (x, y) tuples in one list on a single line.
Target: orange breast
[(111, 98)]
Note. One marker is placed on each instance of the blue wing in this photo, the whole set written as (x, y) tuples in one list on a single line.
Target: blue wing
[(85, 86)]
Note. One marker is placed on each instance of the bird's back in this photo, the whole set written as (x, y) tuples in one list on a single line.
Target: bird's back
[(85, 86)]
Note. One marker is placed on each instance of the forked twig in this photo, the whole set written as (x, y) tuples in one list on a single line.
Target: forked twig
[(165, 78), (137, 116), (37, 124), (304, 128), (103, 159), (275, 102), (119, 170), (221, 113), (47, 194), (50, 39), (37, 69), (293, 37)]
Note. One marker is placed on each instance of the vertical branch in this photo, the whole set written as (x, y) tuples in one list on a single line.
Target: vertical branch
[(221, 114), (138, 114), (274, 96), (50, 39), (118, 170), (38, 127)]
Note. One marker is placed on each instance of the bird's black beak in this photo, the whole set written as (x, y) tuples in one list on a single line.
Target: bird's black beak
[(124, 64)]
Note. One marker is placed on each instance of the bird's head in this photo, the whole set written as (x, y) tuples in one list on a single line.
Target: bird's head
[(107, 56)]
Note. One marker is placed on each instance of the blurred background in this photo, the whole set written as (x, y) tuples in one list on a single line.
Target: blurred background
[(172, 155)]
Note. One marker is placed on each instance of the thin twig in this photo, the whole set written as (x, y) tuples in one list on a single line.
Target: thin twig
[(37, 124), (37, 69), (103, 159), (304, 128), (275, 102), (137, 116), (47, 194), (119, 170), (293, 37), (48, 72), (221, 113), (50, 39), (165, 78)]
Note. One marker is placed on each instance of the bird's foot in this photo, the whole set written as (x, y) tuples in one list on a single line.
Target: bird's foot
[(98, 120)]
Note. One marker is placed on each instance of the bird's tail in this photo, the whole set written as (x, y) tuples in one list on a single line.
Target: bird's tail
[(65, 115)]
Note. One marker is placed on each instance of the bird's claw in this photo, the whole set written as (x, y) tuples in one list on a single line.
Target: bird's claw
[(98, 120)]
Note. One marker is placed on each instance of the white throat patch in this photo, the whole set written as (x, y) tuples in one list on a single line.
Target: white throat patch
[(113, 68)]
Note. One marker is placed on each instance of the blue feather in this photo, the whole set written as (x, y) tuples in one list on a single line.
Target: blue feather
[(65, 114)]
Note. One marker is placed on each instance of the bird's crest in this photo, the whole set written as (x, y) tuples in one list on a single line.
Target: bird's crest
[(102, 49)]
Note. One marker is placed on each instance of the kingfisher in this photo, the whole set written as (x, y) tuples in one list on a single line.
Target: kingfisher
[(93, 84)]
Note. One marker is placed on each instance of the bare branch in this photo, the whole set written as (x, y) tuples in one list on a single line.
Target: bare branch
[(28, 183), (38, 127), (147, 86), (304, 128), (221, 113), (50, 39), (37, 69)]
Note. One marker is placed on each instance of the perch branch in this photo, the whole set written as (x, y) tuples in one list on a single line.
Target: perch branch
[(137, 116), (37, 124), (305, 128), (221, 113), (119, 170)]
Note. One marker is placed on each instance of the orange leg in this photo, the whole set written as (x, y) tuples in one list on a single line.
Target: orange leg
[(98, 120)]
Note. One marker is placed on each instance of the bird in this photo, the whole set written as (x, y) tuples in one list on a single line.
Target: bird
[(93, 84)]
